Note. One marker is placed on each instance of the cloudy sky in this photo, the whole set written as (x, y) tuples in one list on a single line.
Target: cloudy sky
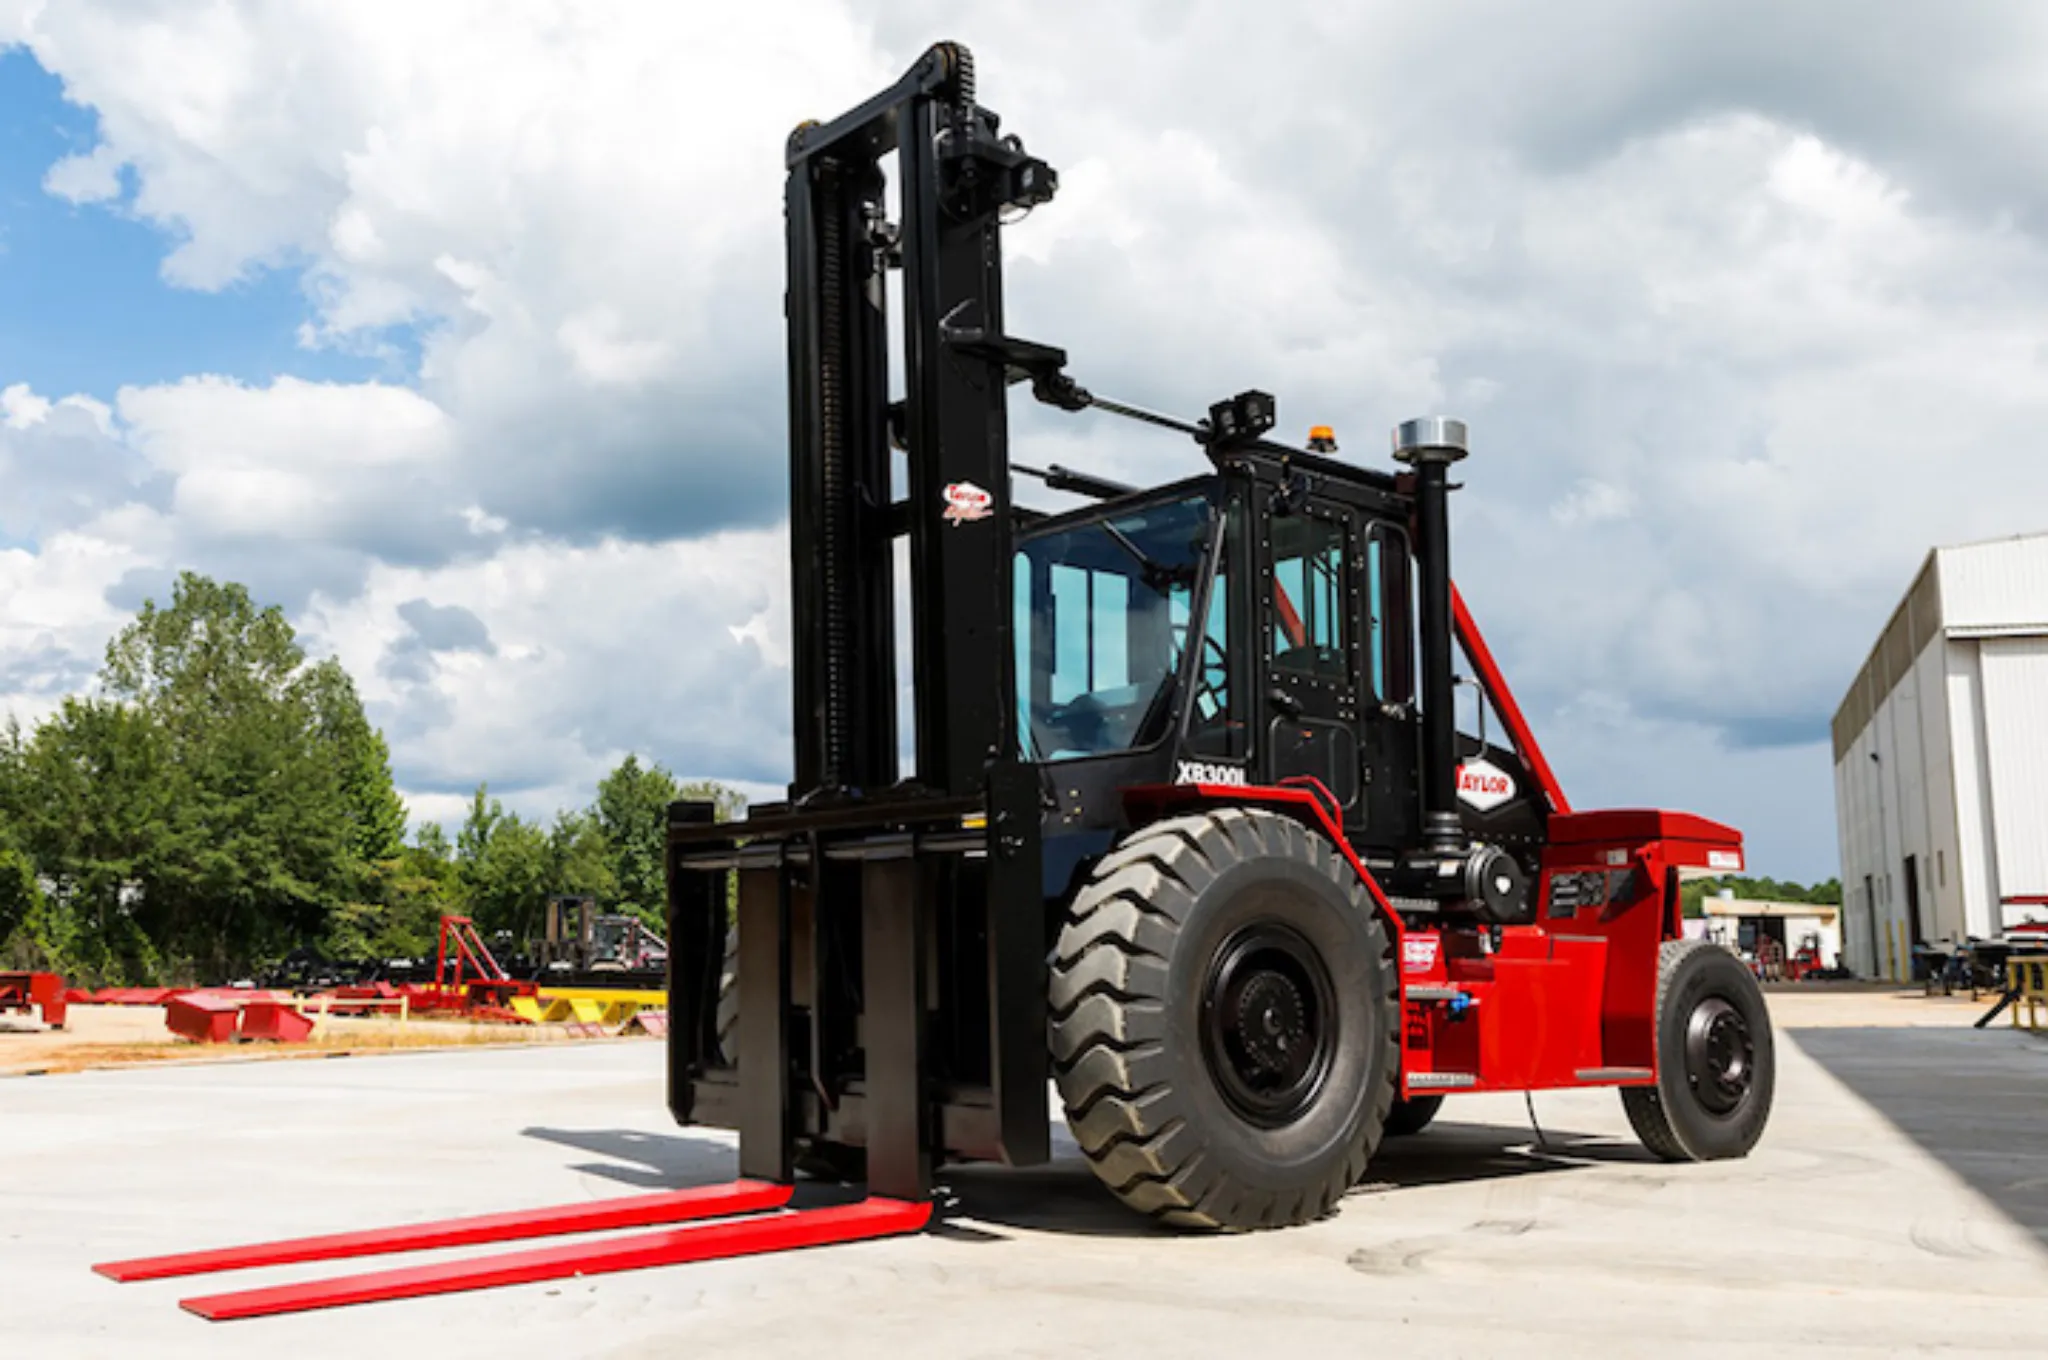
[(455, 328)]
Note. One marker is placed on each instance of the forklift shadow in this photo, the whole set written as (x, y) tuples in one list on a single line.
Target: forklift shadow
[(647, 1161), (1063, 1196), (1449, 1153)]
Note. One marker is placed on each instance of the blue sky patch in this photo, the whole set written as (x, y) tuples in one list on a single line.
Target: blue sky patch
[(83, 306)]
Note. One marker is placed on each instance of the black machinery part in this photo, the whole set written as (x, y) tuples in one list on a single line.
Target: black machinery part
[(1412, 1116)]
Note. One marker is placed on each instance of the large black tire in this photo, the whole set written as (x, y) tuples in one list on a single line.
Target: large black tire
[(1716, 1064), (1412, 1116), (1224, 1021)]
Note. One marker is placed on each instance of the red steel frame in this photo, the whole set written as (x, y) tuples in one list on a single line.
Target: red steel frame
[(469, 949), (467, 976)]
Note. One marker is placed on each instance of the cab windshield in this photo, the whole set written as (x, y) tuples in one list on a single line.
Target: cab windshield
[(1102, 625)]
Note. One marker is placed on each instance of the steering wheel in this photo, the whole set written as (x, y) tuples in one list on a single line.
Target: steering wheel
[(1212, 678), (1212, 672)]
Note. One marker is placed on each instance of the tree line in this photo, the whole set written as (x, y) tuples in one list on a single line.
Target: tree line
[(1692, 894), (220, 800)]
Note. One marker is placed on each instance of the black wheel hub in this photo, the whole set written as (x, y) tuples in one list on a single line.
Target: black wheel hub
[(1720, 1056), (1268, 1023)]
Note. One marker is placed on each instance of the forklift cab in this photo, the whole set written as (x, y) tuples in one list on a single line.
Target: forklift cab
[(1161, 640)]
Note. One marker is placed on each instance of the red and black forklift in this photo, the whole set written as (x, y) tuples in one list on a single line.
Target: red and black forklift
[(1189, 830), (1190, 827)]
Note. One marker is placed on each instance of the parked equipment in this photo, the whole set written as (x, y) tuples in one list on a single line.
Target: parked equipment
[(580, 939), (1188, 792), (43, 992), (468, 981), (1188, 779)]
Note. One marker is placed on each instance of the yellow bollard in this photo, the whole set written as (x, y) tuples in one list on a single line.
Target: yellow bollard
[(2027, 981)]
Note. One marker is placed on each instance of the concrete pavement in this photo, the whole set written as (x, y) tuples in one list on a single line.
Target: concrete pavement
[(1844, 1234)]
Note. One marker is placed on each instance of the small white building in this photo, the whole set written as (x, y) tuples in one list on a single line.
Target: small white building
[(1941, 760), (1741, 923)]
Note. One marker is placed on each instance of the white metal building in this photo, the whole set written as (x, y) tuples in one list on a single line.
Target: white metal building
[(1941, 759)]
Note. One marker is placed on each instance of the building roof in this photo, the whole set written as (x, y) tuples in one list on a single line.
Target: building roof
[(1994, 587)]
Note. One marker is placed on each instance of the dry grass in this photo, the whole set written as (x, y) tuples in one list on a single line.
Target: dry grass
[(126, 1036)]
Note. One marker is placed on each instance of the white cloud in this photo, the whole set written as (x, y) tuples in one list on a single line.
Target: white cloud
[(677, 649), (1591, 502), (295, 461), (1744, 313), (88, 178)]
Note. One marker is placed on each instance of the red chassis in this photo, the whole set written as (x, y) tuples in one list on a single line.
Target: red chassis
[(1566, 1001)]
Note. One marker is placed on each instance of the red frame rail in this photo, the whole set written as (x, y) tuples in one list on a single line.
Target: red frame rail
[(638, 1211)]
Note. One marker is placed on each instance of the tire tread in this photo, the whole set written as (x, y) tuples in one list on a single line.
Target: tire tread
[(1109, 1016)]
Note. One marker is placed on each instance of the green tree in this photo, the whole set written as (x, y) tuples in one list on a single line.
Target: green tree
[(421, 886), (504, 866), (580, 857), (255, 849), (632, 808), (363, 759), (22, 906), (20, 894), (88, 796)]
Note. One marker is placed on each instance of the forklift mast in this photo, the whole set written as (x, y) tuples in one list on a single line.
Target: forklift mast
[(870, 900), (955, 177)]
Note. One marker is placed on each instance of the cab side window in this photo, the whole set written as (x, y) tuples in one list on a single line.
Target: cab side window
[(1310, 630)]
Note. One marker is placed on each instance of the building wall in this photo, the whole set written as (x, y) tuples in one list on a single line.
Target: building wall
[(1976, 848), (1941, 886), (2015, 673), (1953, 703), (1897, 807)]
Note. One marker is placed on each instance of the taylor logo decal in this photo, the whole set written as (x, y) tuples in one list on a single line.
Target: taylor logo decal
[(1418, 953), (966, 501), (1724, 859), (1484, 785), (1204, 772)]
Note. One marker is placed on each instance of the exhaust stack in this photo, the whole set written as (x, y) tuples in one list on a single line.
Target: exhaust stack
[(1430, 445)]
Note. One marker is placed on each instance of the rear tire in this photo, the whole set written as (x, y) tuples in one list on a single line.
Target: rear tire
[(1224, 1021), (1716, 1064), (1412, 1116)]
